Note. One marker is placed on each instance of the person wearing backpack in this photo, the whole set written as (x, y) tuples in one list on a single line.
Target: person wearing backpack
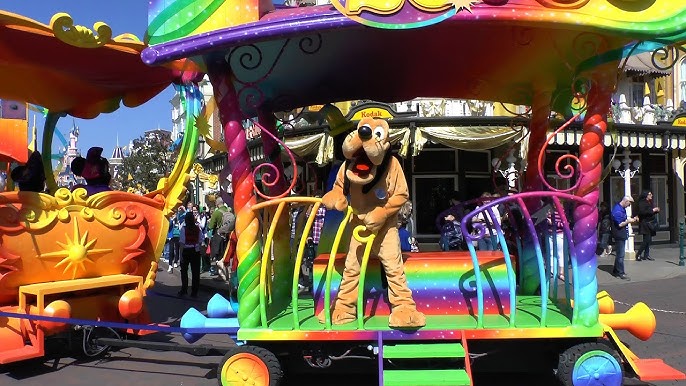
[(189, 240), (221, 224)]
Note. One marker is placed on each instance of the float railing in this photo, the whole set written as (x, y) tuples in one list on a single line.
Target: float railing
[(529, 223), (487, 213), (330, 266), (280, 204)]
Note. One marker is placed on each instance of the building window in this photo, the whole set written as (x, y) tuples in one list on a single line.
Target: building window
[(430, 194), (682, 80), (658, 186), (617, 191), (476, 185), (436, 161), (476, 161), (637, 92)]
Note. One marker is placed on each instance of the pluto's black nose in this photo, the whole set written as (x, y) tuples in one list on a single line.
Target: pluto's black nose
[(365, 132)]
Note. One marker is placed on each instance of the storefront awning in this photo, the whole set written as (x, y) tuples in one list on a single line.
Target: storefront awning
[(642, 64), (636, 139)]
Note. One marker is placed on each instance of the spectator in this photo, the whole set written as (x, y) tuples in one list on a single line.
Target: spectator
[(620, 226), (174, 246), (221, 224), (455, 210), (487, 242), (305, 282), (95, 169), (30, 177), (556, 243), (604, 230), (190, 245), (647, 225), (203, 221)]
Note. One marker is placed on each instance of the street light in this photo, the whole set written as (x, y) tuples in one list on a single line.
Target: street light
[(511, 174), (199, 157), (627, 169)]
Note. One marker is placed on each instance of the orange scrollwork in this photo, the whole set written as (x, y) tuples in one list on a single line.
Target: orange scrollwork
[(74, 236)]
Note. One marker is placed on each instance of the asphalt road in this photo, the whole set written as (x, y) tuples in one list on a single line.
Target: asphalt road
[(132, 366)]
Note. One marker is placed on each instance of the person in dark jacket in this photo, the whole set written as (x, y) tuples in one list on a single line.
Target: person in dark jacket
[(604, 230), (620, 230), (647, 225)]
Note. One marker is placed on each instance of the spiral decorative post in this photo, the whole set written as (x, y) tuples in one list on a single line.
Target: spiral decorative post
[(247, 224), (586, 216), (532, 182)]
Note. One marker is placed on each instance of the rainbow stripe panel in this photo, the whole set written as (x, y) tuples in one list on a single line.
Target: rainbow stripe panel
[(442, 283), (174, 19)]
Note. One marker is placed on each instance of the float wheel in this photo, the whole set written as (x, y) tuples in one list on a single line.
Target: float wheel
[(590, 364), (249, 365)]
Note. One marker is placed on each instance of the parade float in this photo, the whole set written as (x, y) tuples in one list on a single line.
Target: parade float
[(555, 56), (59, 255)]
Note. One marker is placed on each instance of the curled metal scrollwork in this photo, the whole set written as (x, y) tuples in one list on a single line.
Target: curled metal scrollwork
[(270, 178), (665, 58), (587, 45), (310, 44), (570, 170), (249, 57)]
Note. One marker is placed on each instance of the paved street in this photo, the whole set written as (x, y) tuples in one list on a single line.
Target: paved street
[(657, 283)]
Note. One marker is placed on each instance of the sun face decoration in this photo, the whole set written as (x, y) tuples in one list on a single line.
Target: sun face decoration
[(76, 252)]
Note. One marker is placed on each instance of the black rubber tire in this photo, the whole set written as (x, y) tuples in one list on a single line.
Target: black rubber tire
[(267, 357), (569, 357)]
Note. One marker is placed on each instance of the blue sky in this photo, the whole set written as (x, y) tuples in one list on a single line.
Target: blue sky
[(122, 16)]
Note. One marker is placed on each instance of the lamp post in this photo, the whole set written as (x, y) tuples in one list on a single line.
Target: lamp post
[(627, 168), (199, 157), (511, 174)]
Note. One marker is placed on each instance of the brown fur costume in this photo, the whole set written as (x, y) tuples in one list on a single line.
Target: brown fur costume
[(377, 187)]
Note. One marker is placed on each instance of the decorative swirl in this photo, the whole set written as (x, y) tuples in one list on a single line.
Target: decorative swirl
[(64, 197), (249, 57), (571, 171), (586, 45), (79, 36), (667, 54), (251, 96), (87, 214), (79, 196), (522, 36), (563, 4), (310, 45), (267, 178)]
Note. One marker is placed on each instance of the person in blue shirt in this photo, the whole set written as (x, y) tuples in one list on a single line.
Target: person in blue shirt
[(620, 226)]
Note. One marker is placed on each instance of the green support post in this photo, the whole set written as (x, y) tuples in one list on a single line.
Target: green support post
[(682, 262)]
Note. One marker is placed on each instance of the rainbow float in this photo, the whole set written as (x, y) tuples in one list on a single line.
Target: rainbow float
[(546, 54), (58, 257)]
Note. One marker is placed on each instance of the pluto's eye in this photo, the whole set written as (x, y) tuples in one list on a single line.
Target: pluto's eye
[(379, 132)]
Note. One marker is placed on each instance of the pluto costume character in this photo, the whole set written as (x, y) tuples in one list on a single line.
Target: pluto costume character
[(375, 183)]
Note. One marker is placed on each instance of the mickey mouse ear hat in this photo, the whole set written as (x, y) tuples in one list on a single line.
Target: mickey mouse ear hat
[(92, 168)]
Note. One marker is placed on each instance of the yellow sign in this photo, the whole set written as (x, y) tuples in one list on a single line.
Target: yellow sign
[(372, 112), (314, 108), (402, 14), (679, 122)]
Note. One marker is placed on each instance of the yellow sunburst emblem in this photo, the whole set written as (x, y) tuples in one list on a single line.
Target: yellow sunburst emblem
[(76, 252), (465, 4)]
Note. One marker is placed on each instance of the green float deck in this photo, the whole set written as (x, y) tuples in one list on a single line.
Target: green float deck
[(527, 325)]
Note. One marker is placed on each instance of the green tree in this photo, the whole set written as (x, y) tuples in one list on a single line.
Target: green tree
[(149, 160)]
